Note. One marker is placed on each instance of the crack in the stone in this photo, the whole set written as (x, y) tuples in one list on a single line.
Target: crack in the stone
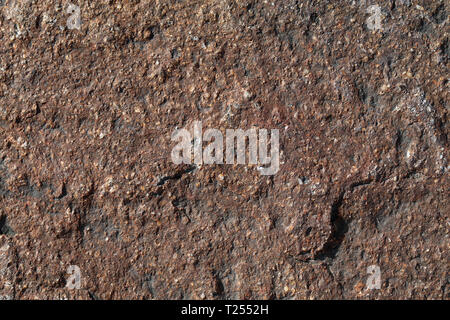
[(339, 227), (5, 228), (176, 176)]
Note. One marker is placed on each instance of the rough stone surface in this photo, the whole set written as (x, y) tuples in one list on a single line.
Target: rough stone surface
[(86, 177)]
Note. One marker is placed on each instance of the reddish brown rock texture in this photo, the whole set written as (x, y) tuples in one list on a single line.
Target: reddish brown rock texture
[(86, 177)]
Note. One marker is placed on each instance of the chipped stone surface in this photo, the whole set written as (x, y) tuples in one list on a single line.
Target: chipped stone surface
[(86, 177)]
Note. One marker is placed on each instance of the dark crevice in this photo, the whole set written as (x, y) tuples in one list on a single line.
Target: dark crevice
[(440, 14), (339, 226), (219, 288), (5, 228), (63, 192), (360, 183), (176, 176), (93, 296)]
